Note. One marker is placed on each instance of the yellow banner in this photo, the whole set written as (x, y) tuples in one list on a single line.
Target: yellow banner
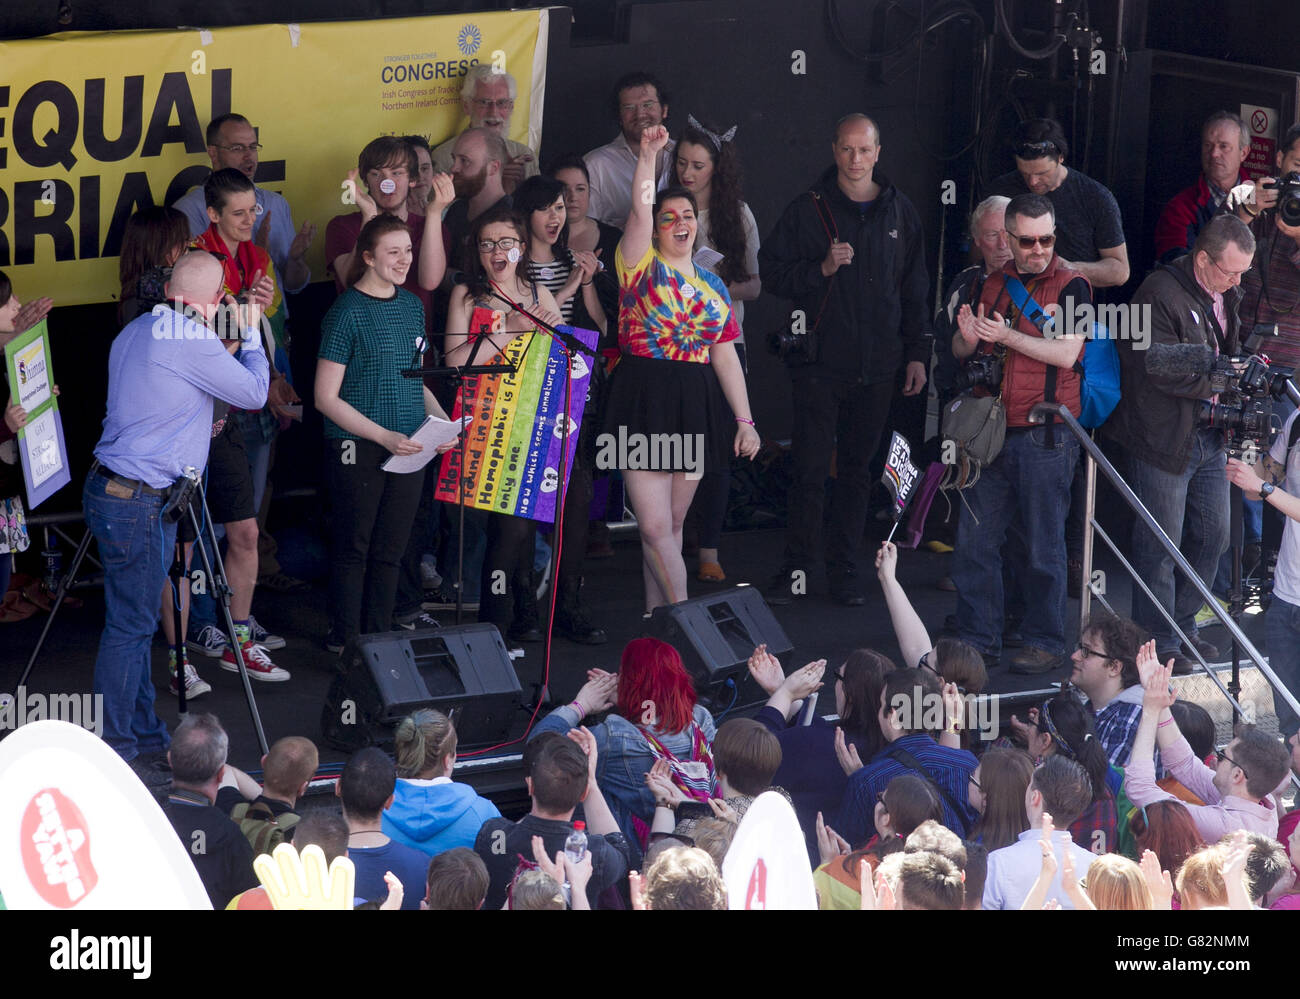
[(94, 125)]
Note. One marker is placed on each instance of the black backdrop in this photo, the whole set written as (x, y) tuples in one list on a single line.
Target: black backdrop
[(731, 61)]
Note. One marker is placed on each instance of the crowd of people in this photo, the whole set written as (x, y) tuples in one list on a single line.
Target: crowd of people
[(461, 249), (1067, 813)]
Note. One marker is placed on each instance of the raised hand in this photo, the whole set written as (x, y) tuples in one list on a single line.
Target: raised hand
[(887, 561), (263, 237), (301, 242), (360, 198), (512, 171), (766, 670), (396, 893), (847, 754), (442, 192), (1158, 881), (587, 743), (1147, 661), (830, 843), (966, 325), (587, 263), (302, 881), (599, 692), (805, 680), (553, 869), (32, 313), (954, 707), (654, 139), (1157, 694), (261, 289), (660, 781)]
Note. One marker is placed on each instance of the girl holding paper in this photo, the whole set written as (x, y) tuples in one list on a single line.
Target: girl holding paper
[(367, 338), (15, 318)]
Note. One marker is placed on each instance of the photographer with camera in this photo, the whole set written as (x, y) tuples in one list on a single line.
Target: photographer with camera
[(164, 372), (850, 253), (1031, 475), (1175, 457)]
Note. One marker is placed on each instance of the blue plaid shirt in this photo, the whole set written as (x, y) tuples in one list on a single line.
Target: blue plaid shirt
[(1117, 725)]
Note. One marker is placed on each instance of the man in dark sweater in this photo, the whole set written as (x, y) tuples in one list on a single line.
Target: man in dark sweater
[(220, 853), (366, 789), (1176, 467), (561, 774)]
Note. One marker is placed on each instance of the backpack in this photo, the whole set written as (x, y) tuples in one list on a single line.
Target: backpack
[(260, 825)]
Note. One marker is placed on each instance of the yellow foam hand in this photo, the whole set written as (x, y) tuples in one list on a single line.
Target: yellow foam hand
[(302, 882)]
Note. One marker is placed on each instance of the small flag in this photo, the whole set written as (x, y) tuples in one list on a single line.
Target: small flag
[(900, 476)]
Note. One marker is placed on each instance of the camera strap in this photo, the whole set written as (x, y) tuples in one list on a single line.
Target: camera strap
[(833, 234)]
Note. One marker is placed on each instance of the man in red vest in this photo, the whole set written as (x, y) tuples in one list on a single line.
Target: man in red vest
[(1032, 473)]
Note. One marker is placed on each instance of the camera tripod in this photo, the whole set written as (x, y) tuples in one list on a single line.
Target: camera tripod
[(215, 570)]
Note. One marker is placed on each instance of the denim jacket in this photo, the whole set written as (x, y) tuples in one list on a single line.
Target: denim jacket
[(623, 758)]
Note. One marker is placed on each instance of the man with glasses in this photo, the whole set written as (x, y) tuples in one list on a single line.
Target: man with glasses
[(1237, 790), (1176, 467), (1031, 476), (232, 143), (640, 102), (488, 100), (1105, 670), (1089, 231)]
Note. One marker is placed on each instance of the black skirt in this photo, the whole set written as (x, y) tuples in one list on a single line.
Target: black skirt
[(660, 414)]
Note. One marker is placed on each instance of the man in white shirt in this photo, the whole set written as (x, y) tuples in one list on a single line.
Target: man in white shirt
[(1061, 788), (640, 102)]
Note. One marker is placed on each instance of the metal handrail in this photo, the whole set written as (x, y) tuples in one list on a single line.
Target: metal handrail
[(1096, 459)]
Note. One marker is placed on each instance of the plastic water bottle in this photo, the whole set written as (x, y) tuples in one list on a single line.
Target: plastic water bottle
[(575, 847)]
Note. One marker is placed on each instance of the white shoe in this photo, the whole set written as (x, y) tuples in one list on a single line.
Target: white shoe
[(195, 686)]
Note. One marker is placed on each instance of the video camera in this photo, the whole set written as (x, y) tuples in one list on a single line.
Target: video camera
[(1244, 408), (794, 348)]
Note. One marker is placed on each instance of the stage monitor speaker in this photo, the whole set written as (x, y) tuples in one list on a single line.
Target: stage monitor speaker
[(463, 671), (715, 635)]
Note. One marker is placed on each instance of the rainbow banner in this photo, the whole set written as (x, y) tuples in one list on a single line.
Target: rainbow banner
[(517, 428)]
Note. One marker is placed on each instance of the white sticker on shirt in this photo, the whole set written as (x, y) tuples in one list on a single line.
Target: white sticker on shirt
[(688, 290), (693, 769)]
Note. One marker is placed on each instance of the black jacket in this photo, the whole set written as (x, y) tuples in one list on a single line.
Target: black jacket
[(1156, 416), (876, 318)]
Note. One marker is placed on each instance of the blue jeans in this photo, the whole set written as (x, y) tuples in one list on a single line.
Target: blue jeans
[(1282, 635), (135, 546), (1031, 479), (1191, 507)]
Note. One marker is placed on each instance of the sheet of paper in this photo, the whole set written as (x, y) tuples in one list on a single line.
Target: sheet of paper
[(707, 258), (431, 434), (42, 444)]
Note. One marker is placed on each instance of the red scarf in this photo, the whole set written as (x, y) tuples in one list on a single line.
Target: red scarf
[(239, 270)]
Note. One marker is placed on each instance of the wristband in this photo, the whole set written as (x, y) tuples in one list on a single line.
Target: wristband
[(1248, 211), (1167, 721), (577, 706), (741, 419), (586, 284)]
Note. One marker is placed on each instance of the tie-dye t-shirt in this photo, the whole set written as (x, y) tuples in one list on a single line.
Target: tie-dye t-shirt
[(668, 315)]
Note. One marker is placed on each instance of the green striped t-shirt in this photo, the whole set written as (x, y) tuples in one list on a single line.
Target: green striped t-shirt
[(375, 338)]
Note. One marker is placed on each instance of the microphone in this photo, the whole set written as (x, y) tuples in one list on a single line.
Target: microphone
[(1179, 360)]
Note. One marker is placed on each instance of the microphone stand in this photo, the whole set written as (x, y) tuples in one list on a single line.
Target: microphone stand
[(571, 345), (458, 374)]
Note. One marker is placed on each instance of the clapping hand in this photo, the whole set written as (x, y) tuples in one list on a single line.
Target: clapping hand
[(847, 754), (301, 242), (660, 781), (830, 843), (360, 198), (599, 693), (1158, 881), (396, 893), (805, 680), (1157, 694), (723, 811), (766, 670), (32, 313)]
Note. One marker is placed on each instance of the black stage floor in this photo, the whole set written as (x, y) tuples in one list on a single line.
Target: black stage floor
[(816, 626)]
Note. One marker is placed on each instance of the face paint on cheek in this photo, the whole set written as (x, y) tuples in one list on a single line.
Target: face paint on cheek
[(387, 185), (513, 255)]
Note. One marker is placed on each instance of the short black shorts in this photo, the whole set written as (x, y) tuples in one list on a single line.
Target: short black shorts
[(230, 478)]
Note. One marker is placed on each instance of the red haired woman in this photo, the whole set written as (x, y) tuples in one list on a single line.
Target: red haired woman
[(655, 717)]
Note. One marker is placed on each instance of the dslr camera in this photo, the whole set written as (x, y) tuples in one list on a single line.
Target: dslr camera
[(1288, 197), (980, 371), (794, 348)]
